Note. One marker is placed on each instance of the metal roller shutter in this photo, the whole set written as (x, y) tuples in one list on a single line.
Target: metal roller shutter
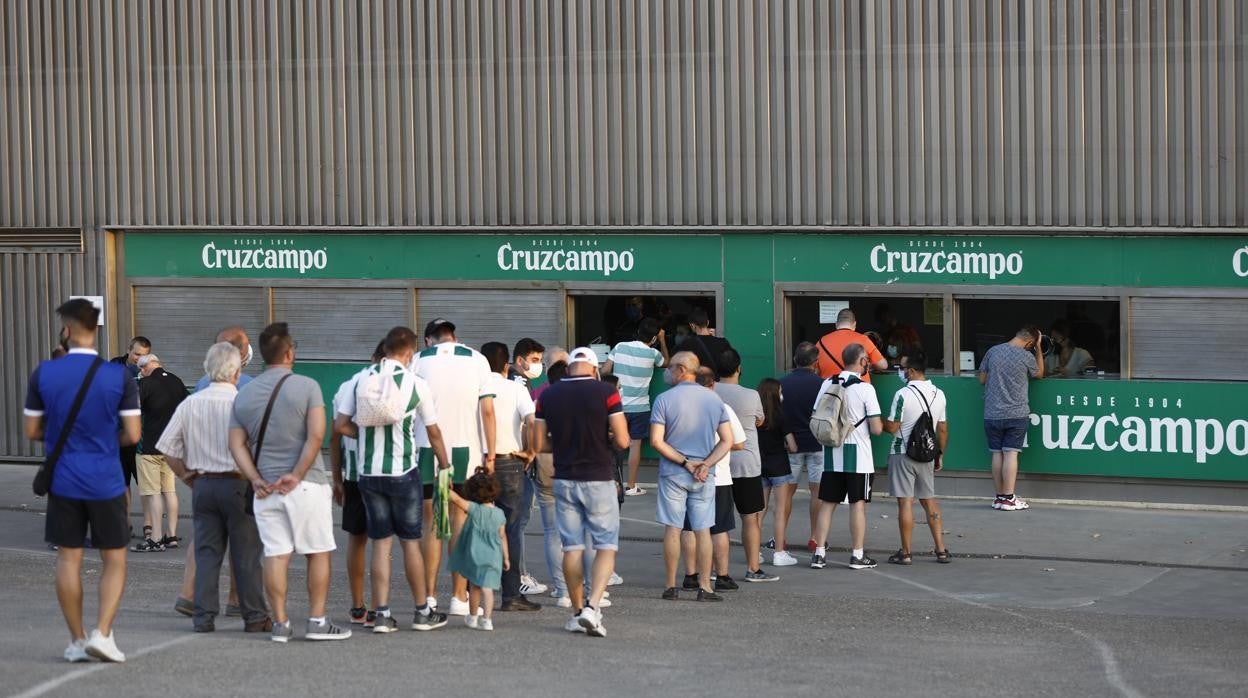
[(1189, 338), (341, 324), (496, 315), (183, 321)]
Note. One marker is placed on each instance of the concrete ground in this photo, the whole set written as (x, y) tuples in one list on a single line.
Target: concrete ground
[(1057, 600)]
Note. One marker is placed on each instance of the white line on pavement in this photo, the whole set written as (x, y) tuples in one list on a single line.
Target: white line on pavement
[(46, 686), (1113, 675)]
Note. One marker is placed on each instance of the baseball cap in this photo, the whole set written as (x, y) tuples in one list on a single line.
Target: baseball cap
[(438, 325), (583, 355)]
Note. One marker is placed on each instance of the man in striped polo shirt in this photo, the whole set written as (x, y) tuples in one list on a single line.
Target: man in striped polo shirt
[(344, 464), (460, 379), (634, 363), (390, 479)]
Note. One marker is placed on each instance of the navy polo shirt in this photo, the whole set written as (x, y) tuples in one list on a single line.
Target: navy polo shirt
[(90, 465)]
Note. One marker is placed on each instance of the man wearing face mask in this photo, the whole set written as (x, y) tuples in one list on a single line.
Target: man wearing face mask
[(526, 366), (1066, 359), (238, 337), (526, 363)]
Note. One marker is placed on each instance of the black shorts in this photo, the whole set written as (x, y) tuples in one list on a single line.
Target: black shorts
[(456, 488), (747, 494), (846, 488), (725, 515), (354, 518), (68, 521), (129, 464)]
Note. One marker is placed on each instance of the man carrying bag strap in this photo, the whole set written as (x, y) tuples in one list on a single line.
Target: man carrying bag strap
[(43, 477), (264, 427)]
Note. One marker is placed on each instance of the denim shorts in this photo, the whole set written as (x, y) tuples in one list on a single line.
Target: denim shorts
[(779, 481), (587, 508), (638, 425), (394, 505), (811, 463), (681, 494), (1006, 434)]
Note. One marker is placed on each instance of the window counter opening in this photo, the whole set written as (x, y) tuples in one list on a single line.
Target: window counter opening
[(1084, 336), (608, 320), (894, 323)]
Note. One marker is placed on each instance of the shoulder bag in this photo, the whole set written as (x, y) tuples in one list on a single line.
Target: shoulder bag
[(43, 477), (249, 495)]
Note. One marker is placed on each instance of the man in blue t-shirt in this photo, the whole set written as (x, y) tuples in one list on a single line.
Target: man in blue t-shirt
[(88, 489), (684, 425), (238, 337)]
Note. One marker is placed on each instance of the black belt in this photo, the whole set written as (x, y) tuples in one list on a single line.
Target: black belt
[(223, 476)]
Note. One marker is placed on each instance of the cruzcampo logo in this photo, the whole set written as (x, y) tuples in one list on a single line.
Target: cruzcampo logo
[(564, 254), (962, 257), (261, 254)]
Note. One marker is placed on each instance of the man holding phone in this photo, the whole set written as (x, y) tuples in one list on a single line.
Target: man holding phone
[(1005, 372)]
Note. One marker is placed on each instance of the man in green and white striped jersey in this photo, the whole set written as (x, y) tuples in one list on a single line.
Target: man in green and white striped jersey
[(634, 363), (390, 479), (344, 464)]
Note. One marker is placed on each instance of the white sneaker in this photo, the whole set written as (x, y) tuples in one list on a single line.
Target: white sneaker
[(104, 648), (77, 652), (471, 621), (615, 580), (605, 603), (574, 623), (591, 620), (530, 586), (634, 492), (782, 558), (605, 594), (564, 602), (457, 608), (485, 624), (431, 602)]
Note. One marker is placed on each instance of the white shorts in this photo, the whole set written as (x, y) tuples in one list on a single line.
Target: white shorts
[(301, 522)]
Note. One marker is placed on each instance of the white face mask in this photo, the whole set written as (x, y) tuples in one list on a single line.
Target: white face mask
[(534, 370), (901, 373)]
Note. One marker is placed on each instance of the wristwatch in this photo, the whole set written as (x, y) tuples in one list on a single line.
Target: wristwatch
[(684, 461)]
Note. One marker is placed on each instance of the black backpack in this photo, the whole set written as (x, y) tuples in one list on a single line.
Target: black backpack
[(921, 445)]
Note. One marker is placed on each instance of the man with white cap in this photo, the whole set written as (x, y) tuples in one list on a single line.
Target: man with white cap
[(573, 419)]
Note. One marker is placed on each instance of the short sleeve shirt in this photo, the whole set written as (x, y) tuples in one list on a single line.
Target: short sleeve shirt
[(723, 469), (748, 407), (390, 450), (854, 456), (834, 343), (634, 364), (90, 465), (459, 377), (908, 406), (160, 393), (577, 411), (344, 400), (288, 426), (1009, 368), (512, 405), (690, 415), (800, 388)]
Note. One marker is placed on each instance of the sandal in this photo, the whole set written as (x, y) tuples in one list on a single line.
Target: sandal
[(944, 556), (170, 542), (900, 558)]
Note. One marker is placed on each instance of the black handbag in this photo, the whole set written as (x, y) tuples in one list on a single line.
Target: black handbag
[(43, 477)]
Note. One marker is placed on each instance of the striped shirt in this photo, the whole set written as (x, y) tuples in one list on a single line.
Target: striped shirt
[(854, 456), (350, 446), (199, 431), (634, 364), (908, 406), (460, 378), (390, 450)]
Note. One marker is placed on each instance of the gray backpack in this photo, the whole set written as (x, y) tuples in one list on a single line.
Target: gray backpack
[(830, 422)]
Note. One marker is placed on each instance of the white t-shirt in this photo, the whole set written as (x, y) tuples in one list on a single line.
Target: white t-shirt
[(723, 469), (512, 404), (854, 456), (907, 406), (391, 450), (460, 378), (1079, 359), (350, 447)]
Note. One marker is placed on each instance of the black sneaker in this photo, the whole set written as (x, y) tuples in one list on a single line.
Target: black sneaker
[(818, 562), (520, 604), (691, 582), (206, 627), (724, 583), (357, 615), (433, 621), (861, 563), (671, 594), (383, 624), (704, 595), (770, 544)]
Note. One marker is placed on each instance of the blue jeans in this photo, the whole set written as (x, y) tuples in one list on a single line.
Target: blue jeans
[(681, 494), (394, 505), (554, 546), (510, 475)]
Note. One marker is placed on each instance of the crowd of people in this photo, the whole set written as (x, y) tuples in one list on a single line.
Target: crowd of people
[(447, 448)]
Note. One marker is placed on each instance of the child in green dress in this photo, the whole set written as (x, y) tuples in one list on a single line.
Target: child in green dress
[(481, 553)]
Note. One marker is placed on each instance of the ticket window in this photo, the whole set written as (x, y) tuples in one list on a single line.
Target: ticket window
[(1088, 330), (609, 319), (899, 322)]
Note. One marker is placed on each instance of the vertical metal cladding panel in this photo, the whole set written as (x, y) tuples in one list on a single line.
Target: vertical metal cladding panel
[(183, 321), (341, 324), (495, 315), (1165, 330)]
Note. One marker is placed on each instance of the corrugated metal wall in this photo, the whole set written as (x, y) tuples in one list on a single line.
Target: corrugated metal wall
[(586, 112)]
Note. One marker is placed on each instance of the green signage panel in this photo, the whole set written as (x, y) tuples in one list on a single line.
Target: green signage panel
[(1013, 260), (450, 256), (1104, 427)]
